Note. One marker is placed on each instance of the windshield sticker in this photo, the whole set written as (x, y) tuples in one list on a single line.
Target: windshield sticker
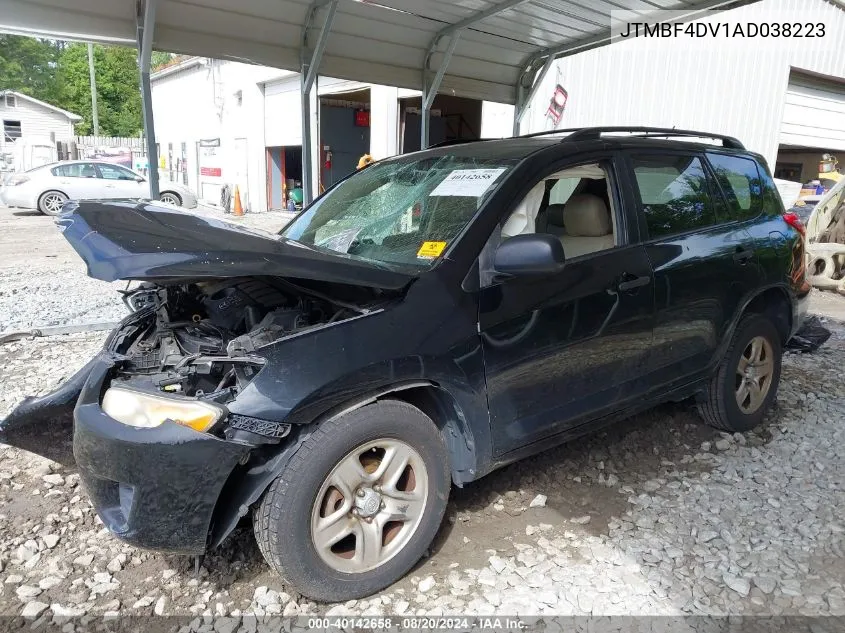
[(430, 250), (340, 242), (471, 183)]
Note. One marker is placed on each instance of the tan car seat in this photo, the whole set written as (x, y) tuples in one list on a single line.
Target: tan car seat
[(588, 226)]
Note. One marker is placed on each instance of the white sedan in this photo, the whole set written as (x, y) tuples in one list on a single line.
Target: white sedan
[(47, 188)]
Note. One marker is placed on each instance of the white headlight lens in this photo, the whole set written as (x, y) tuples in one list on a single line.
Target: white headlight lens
[(146, 411)]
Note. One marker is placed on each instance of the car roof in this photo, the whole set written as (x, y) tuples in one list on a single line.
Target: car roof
[(520, 147)]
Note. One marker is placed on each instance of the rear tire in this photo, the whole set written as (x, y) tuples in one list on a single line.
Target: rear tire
[(50, 202), (171, 198), (386, 518), (746, 381)]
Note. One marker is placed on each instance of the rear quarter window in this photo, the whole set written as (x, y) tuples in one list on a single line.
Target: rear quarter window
[(741, 184), (674, 194)]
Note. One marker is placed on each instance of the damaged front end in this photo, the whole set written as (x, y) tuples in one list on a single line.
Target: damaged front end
[(188, 341), (158, 433), (153, 436)]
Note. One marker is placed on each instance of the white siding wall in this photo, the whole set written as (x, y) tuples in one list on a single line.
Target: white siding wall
[(709, 88), (282, 107), (814, 114), (222, 100), (36, 121)]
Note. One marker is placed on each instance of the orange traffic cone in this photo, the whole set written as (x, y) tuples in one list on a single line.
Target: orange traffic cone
[(239, 210)]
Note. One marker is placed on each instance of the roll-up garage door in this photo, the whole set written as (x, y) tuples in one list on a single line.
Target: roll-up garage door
[(814, 113)]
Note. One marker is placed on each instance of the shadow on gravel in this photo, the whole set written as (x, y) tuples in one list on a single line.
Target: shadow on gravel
[(52, 440), (582, 477), (26, 212)]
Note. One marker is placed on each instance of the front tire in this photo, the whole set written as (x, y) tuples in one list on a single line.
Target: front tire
[(51, 202), (358, 504), (746, 381)]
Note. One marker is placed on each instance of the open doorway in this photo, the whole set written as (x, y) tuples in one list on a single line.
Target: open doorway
[(284, 176), (344, 133), (451, 118)]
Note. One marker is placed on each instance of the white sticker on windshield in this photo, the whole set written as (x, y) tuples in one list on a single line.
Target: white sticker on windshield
[(467, 182)]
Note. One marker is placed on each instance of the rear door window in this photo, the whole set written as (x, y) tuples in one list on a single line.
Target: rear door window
[(673, 192), (740, 182), (75, 170)]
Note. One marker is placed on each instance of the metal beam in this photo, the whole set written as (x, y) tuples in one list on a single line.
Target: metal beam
[(523, 99), (310, 64), (145, 24), (477, 17), (430, 90), (564, 49)]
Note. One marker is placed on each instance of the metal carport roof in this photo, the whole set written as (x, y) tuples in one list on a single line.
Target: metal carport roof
[(483, 49)]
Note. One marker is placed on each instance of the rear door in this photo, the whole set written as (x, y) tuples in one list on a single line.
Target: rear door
[(562, 349), (703, 261), (78, 180)]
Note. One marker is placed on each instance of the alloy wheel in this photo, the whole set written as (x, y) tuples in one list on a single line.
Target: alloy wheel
[(369, 506), (53, 202), (169, 198), (754, 374)]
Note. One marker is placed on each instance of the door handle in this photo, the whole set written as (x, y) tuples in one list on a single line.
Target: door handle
[(742, 256), (632, 283)]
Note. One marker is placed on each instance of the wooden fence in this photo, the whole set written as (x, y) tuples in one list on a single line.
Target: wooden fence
[(132, 142)]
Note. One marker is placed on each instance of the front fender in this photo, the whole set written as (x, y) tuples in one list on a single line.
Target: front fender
[(247, 485)]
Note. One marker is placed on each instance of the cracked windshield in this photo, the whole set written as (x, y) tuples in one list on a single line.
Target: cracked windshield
[(400, 213)]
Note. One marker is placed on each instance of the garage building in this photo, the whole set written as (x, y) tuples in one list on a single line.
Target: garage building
[(220, 122), (782, 98)]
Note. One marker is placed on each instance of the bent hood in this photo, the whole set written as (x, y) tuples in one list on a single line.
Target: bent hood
[(132, 240)]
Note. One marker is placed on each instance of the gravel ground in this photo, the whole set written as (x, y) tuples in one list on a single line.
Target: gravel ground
[(43, 281), (658, 516)]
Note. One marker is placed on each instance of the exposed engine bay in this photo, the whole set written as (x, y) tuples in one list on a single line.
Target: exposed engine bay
[(198, 339)]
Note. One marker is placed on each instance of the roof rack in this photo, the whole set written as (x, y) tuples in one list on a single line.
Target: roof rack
[(595, 133), (456, 141)]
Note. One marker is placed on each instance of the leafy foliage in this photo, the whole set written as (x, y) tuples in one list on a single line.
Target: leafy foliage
[(160, 58), (28, 65), (57, 72), (118, 96)]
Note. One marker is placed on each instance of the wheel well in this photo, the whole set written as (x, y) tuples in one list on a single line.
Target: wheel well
[(171, 192), (46, 191), (774, 304), (441, 407)]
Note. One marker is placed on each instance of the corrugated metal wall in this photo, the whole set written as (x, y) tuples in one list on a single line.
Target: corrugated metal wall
[(738, 89)]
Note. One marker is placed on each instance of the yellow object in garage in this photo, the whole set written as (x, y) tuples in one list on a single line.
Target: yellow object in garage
[(828, 168)]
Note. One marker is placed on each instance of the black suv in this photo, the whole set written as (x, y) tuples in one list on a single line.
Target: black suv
[(429, 319)]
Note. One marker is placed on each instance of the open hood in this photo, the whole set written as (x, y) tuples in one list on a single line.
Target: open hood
[(140, 240)]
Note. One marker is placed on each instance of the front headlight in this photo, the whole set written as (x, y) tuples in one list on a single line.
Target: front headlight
[(145, 410)]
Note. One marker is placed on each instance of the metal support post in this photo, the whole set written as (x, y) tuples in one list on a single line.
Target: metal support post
[(146, 10), (310, 64), (430, 90), (523, 99)]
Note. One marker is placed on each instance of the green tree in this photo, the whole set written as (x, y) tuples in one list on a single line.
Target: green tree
[(118, 96), (160, 58), (28, 65)]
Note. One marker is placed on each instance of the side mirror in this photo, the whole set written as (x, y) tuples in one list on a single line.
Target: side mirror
[(140, 179), (531, 254)]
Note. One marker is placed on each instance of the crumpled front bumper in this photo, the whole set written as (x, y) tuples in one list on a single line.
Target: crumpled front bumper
[(154, 488), (44, 425)]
